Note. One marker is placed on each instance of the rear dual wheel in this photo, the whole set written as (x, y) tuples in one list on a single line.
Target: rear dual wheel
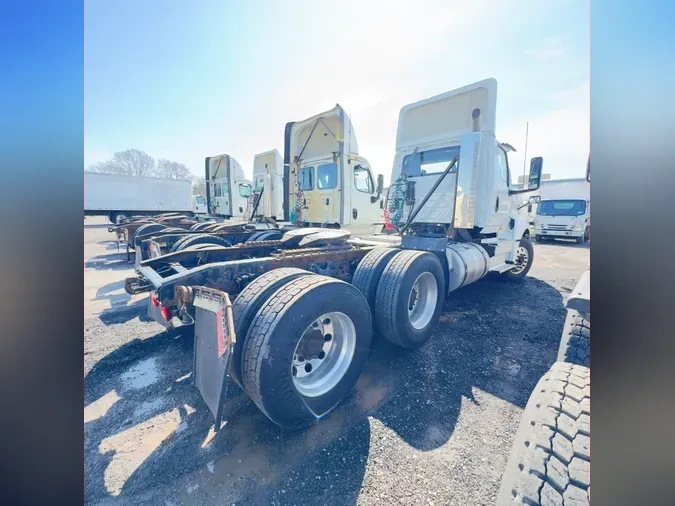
[(410, 297), (305, 349)]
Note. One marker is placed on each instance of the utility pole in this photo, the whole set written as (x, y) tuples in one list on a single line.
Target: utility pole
[(527, 128)]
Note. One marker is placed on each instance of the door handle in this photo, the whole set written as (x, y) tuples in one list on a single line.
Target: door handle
[(497, 205)]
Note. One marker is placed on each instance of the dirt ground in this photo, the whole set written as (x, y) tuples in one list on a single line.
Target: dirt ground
[(431, 426)]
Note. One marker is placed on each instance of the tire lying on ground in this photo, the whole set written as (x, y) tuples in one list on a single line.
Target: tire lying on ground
[(524, 259), (550, 458), (367, 274), (199, 239), (247, 304), (576, 339), (409, 298), (305, 349)]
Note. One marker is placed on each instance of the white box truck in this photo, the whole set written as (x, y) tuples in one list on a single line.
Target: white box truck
[(564, 210), (120, 197)]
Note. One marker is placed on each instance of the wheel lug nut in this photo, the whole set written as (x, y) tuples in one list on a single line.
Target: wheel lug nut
[(322, 354), (327, 337)]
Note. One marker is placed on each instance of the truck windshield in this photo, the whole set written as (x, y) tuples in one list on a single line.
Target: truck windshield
[(561, 208), (432, 161)]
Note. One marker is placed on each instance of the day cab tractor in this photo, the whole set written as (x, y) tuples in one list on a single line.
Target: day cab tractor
[(325, 183), (291, 321)]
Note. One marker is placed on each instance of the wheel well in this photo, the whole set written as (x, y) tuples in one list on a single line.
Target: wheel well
[(526, 234)]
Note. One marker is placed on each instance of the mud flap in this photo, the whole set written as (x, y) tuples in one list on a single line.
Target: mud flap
[(214, 340)]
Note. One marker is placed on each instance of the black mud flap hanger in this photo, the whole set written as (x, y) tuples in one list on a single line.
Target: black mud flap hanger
[(214, 341)]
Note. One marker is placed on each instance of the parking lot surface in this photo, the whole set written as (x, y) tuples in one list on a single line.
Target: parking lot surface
[(431, 426)]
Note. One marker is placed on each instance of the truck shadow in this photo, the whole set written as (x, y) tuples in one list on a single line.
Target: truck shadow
[(112, 261), (149, 436), (122, 312)]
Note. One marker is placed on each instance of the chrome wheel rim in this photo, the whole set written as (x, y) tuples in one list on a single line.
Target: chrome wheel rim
[(323, 355), (522, 259), (422, 300)]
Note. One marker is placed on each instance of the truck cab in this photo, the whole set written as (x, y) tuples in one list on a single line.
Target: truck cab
[(199, 205), (326, 182), (227, 188), (567, 218), (474, 202), (268, 172)]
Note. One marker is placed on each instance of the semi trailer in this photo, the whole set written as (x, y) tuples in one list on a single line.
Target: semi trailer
[(291, 320), (120, 197)]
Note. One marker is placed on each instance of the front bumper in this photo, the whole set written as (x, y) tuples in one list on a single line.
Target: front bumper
[(569, 234)]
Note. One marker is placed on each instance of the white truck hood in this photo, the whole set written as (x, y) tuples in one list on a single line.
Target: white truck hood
[(471, 108)]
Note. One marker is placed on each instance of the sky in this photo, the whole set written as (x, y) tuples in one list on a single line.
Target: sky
[(187, 80)]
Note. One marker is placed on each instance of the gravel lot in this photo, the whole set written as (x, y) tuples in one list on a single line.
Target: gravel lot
[(432, 426)]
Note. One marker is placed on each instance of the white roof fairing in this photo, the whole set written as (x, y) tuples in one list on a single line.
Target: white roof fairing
[(448, 115)]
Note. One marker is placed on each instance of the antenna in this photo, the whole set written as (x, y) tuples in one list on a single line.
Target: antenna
[(527, 131)]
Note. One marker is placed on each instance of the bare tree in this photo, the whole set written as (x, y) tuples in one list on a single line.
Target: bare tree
[(199, 185), (134, 162), (105, 167), (173, 170), (131, 162)]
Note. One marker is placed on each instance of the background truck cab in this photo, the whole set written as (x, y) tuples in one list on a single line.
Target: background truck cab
[(564, 211), (227, 189), (326, 182), (199, 205), (268, 172)]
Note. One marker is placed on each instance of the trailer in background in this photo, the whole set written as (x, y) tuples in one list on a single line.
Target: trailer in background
[(120, 197)]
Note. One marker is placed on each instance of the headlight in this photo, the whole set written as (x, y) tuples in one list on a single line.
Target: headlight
[(578, 226)]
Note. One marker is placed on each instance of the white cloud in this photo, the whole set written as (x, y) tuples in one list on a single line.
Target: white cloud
[(551, 47)]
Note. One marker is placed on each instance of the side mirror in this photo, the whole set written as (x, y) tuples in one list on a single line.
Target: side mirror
[(535, 172), (529, 207), (535, 199)]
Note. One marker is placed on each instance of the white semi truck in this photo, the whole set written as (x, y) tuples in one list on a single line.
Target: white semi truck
[(306, 306), (227, 188), (120, 197), (326, 182)]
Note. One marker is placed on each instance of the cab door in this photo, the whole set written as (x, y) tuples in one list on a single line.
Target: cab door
[(502, 199), (366, 205), (319, 186), (221, 197)]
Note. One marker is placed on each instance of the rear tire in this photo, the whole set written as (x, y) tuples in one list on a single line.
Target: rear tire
[(201, 239), (410, 298), (271, 349), (146, 229), (367, 274), (265, 235), (550, 458), (576, 339), (247, 304), (525, 255)]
